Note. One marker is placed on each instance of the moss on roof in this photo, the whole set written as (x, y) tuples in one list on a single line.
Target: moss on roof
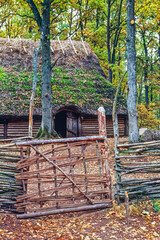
[(77, 78), (70, 86)]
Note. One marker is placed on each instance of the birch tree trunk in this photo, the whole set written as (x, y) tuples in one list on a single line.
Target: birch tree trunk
[(132, 75), (34, 85)]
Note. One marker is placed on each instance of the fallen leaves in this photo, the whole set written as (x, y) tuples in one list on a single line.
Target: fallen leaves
[(98, 225)]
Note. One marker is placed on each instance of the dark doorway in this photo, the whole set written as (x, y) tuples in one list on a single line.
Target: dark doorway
[(67, 124), (60, 123)]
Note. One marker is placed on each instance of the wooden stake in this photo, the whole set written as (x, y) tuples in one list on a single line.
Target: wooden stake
[(84, 46), (102, 121), (61, 46), (70, 39), (127, 207)]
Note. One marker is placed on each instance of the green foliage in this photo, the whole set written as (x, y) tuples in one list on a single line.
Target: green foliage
[(147, 117), (156, 205)]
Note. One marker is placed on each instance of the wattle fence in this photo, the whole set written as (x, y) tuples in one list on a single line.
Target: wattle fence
[(9, 188), (66, 175), (138, 170)]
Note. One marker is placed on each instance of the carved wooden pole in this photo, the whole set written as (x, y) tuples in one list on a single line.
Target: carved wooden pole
[(103, 132), (102, 121)]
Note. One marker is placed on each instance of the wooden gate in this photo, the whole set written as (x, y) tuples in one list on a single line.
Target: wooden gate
[(66, 175)]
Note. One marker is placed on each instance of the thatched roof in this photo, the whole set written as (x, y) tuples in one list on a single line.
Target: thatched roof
[(77, 79)]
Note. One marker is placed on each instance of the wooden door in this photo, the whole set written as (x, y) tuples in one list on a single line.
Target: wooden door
[(72, 125)]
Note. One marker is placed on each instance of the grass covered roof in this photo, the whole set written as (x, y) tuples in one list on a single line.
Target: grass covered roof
[(77, 79)]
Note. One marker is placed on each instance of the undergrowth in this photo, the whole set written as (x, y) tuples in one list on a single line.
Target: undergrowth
[(136, 208)]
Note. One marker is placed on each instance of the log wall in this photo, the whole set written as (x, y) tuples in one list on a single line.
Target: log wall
[(1, 130), (90, 126), (17, 129)]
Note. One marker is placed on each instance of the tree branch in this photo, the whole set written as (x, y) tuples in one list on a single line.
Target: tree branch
[(35, 12)]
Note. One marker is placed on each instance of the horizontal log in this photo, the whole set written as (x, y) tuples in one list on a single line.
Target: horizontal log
[(59, 176), (139, 144), (9, 145), (139, 151), (69, 205), (58, 211), (137, 156), (10, 159), (140, 184), (141, 166), (32, 161), (66, 199), (31, 196), (3, 165), (141, 192), (137, 163), (63, 140), (7, 201), (16, 139), (15, 150), (9, 155)]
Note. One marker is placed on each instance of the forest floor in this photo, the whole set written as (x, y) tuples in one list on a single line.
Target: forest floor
[(106, 224)]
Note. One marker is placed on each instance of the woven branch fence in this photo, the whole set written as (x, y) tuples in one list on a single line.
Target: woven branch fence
[(138, 170), (70, 174), (9, 188)]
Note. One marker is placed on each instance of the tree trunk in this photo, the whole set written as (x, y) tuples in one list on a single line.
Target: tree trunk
[(146, 70), (108, 41), (116, 36), (159, 40), (140, 91), (80, 18), (159, 64), (132, 75), (46, 124), (34, 85), (44, 25)]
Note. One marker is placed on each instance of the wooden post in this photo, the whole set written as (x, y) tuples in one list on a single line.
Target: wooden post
[(102, 121), (21, 171), (103, 132), (55, 176), (116, 133), (127, 207)]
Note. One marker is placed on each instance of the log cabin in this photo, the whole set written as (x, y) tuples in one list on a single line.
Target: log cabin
[(79, 87)]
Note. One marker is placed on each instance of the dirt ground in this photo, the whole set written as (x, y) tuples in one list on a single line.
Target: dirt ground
[(106, 224)]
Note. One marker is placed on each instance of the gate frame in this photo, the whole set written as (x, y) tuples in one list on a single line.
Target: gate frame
[(102, 137)]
